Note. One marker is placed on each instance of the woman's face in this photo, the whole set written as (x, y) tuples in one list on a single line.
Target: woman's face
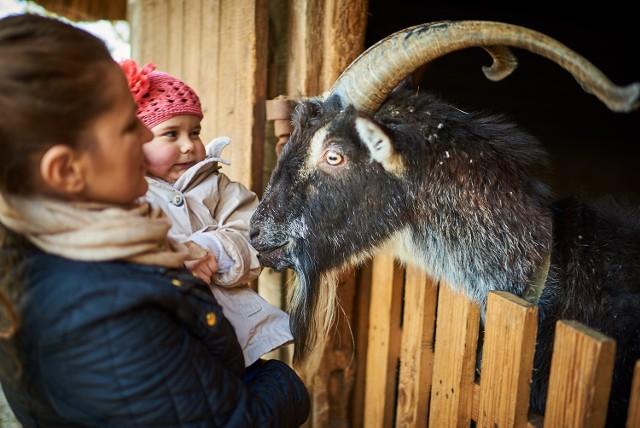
[(114, 162), (176, 147)]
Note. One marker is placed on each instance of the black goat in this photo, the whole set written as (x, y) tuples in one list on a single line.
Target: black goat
[(369, 170)]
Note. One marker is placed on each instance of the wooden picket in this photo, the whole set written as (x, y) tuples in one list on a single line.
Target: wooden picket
[(633, 418), (579, 399), (421, 360), (509, 341), (416, 366)]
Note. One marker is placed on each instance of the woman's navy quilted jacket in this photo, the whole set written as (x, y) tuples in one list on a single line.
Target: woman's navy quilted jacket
[(123, 344)]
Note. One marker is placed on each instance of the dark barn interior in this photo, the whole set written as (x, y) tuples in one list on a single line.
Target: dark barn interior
[(593, 151)]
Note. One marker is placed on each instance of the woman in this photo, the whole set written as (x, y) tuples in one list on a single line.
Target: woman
[(99, 324)]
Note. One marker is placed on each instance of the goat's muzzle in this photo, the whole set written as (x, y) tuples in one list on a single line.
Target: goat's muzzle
[(270, 255)]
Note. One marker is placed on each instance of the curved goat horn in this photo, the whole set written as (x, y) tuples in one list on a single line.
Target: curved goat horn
[(369, 79)]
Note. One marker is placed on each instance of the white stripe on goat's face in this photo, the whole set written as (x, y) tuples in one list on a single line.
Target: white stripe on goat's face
[(316, 152)]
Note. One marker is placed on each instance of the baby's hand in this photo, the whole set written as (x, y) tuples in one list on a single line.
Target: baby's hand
[(203, 268)]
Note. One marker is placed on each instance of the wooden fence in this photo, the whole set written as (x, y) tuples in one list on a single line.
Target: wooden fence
[(421, 369)]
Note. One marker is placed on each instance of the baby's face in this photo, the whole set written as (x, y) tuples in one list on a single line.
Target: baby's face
[(176, 147)]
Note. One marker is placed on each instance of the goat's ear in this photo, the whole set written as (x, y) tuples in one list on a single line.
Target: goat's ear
[(379, 144)]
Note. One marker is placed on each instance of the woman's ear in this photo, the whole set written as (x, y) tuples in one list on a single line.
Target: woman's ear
[(61, 170)]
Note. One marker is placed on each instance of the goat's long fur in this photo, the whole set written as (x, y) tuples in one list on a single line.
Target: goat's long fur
[(451, 192)]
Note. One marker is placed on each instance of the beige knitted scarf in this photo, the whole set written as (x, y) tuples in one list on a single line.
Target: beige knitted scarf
[(93, 231)]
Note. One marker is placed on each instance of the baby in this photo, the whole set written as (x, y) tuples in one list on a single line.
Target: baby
[(209, 212)]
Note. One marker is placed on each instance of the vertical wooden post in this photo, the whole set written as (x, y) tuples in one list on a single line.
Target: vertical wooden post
[(454, 359), (384, 341), (507, 360), (633, 418), (324, 37), (580, 377), (416, 352)]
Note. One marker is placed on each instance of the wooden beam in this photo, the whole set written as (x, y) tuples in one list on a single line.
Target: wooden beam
[(87, 10)]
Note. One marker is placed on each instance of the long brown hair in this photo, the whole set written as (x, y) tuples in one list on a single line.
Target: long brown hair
[(51, 75)]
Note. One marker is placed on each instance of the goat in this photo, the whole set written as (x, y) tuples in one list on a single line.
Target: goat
[(369, 169)]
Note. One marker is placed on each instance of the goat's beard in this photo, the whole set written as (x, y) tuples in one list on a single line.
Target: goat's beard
[(312, 302)]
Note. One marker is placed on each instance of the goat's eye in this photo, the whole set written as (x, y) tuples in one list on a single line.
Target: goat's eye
[(332, 157)]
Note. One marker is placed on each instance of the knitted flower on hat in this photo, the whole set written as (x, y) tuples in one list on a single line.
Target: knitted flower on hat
[(159, 96)]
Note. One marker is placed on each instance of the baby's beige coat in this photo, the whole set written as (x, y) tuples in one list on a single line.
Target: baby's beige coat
[(204, 201)]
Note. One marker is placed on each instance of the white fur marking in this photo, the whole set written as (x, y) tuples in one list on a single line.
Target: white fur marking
[(316, 151)]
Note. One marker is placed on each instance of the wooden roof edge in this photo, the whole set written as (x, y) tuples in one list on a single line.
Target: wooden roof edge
[(87, 10)]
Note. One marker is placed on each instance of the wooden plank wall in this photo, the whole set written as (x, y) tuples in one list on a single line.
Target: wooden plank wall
[(219, 47)]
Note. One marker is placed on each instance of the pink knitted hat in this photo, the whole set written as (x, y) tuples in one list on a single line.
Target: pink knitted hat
[(159, 96)]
